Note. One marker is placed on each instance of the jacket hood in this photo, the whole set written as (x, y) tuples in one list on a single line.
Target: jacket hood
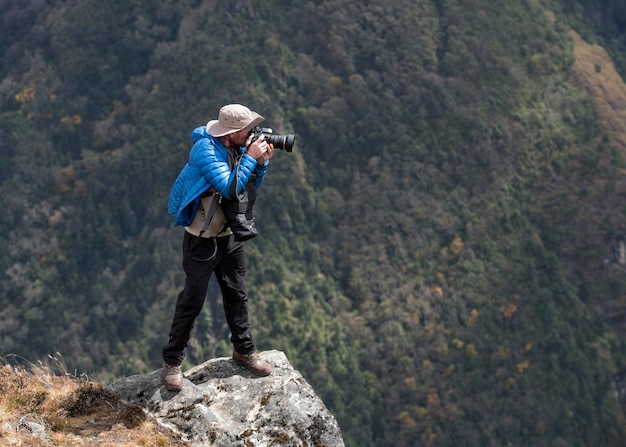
[(199, 133)]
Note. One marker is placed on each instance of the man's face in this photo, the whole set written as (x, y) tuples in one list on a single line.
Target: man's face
[(239, 138)]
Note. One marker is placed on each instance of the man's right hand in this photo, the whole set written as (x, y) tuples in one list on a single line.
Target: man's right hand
[(260, 149)]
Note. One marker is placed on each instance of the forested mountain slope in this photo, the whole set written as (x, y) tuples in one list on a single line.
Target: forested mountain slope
[(440, 254)]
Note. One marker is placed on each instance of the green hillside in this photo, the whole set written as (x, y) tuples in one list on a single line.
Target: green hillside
[(436, 254)]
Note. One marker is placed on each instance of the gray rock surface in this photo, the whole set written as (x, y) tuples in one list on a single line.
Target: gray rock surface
[(222, 404)]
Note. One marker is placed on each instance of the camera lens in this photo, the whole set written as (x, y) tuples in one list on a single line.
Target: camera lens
[(284, 142)]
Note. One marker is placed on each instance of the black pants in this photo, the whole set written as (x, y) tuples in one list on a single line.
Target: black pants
[(229, 266)]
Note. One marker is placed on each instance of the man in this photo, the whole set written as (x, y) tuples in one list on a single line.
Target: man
[(223, 152)]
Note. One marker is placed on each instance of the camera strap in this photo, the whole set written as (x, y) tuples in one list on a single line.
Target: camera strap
[(233, 186), (234, 160)]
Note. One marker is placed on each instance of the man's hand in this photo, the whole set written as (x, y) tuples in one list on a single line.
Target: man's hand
[(260, 150)]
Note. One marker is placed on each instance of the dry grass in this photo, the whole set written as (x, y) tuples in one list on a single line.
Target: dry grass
[(41, 407), (595, 71)]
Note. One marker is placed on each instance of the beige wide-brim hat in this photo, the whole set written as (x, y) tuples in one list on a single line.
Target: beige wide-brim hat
[(233, 118)]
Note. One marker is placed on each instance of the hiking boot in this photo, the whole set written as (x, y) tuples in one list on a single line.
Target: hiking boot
[(255, 364), (172, 377)]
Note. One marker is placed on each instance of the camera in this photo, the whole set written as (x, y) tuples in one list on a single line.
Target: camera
[(284, 142)]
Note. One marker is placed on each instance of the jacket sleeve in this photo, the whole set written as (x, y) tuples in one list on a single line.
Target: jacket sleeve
[(260, 171), (212, 161)]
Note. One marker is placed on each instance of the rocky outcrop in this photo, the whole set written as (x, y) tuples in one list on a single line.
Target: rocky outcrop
[(222, 404)]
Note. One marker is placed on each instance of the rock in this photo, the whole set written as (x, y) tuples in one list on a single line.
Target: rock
[(618, 251), (35, 426), (222, 404), (619, 387)]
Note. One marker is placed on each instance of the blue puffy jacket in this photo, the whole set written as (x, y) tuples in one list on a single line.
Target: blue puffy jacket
[(208, 166)]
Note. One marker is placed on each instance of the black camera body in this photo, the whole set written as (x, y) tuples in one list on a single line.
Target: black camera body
[(284, 142)]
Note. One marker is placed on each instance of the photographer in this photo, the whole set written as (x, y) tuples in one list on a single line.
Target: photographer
[(226, 162)]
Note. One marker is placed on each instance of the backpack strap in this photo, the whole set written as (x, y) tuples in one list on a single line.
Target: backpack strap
[(209, 215)]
